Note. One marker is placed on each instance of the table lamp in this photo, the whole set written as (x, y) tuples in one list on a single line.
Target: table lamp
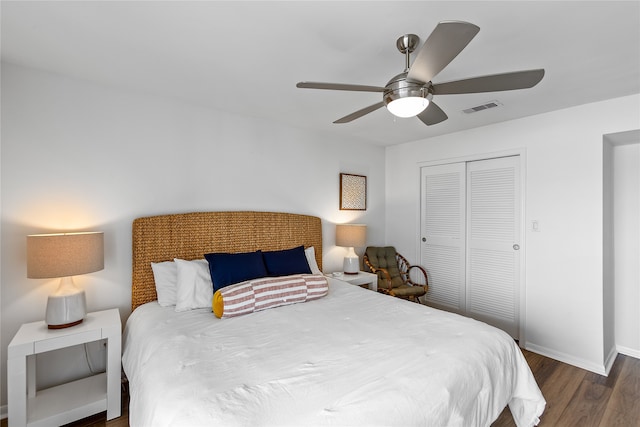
[(351, 235), (65, 255)]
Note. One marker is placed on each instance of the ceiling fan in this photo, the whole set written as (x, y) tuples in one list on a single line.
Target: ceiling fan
[(410, 93)]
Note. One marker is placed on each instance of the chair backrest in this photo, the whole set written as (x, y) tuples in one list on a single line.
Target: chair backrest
[(385, 257)]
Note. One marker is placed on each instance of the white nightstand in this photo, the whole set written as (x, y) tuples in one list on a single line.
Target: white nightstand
[(362, 278), (71, 401)]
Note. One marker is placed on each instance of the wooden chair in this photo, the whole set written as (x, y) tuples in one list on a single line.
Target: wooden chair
[(393, 272)]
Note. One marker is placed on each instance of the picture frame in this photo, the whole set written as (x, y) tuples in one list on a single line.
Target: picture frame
[(353, 192)]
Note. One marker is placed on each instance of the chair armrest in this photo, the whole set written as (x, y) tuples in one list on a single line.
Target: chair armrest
[(385, 274), (376, 270), (424, 274)]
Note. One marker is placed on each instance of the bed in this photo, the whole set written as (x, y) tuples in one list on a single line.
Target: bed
[(352, 357)]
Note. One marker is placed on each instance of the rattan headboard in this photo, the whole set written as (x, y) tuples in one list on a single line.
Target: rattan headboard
[(191, 235)]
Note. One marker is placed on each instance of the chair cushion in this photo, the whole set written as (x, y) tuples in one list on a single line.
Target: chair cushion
[(385, 257), (409, 291)]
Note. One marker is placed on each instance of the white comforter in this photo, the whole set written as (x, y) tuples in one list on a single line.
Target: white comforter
[(352, 358)]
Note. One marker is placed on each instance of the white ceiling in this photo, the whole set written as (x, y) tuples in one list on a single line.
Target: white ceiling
[(246, 57)]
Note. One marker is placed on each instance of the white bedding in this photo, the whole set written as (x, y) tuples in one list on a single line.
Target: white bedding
[(352, 358)]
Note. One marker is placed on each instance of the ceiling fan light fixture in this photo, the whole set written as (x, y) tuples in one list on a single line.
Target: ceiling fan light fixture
[(406, 98), (409, 106)]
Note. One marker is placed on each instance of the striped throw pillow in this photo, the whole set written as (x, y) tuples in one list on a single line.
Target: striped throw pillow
[(260, 294)]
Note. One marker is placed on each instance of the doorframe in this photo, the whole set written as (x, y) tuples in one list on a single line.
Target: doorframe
[(522, 153)]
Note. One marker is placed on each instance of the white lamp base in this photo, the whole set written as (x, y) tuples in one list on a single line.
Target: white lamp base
[(66, 307), (351, 263)]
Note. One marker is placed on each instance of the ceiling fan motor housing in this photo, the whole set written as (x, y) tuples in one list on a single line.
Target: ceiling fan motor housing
[(401, 87)]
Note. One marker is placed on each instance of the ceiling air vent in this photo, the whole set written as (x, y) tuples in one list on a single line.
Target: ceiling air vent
[(490, 104)]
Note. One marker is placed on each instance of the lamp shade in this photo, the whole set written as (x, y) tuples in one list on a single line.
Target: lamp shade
[(64, 254), (351, 235)]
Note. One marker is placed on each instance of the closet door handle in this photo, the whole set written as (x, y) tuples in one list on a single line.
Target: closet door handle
[(516, 247), (424, 239)]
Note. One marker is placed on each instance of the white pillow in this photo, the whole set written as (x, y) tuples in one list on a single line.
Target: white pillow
[(310, 252), (165, 274), (195, 289)]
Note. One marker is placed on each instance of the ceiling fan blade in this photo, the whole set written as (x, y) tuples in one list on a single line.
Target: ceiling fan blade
[(445, 43), (360, 113), (339, 86), (491, 83), (432, 115)]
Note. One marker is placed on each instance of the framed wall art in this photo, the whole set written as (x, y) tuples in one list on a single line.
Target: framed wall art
[(353, 192)]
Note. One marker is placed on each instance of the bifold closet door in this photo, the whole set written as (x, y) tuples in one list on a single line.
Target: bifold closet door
[(443, 234), (470, 237), (493, 242)]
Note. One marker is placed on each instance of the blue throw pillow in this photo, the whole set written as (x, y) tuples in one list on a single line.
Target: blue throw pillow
[(227, 269), (286, 262)]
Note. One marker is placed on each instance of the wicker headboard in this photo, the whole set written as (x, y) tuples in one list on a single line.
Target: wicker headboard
[(191, 235)]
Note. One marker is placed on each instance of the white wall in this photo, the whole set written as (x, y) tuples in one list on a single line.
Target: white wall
[(564, 193), (626, 264), (77, 156)]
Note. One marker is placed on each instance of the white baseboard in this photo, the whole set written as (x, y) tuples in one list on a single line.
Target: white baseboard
[(611, 358), (632, 352), (599, 369), (3, 412)]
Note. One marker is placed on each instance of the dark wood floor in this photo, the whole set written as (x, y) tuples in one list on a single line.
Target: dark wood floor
[(575, 397)]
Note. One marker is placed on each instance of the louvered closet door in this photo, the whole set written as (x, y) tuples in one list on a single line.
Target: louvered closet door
[(493, 239), (443, 234), (470, 222)]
